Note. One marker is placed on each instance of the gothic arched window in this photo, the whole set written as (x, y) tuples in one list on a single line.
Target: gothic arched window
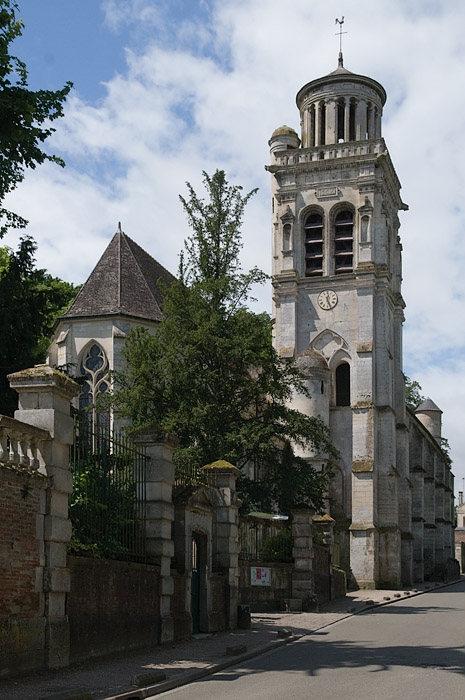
[(313, 245), (343, 242), (94, 367), (342, 376)]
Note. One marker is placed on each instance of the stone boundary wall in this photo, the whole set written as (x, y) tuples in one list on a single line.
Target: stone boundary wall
[(322, 573), (265, 598), (460, 549)]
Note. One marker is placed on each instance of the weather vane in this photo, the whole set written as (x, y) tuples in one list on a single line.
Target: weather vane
[(340, 32)]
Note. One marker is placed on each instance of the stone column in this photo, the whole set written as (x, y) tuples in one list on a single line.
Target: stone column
[(361, 121), (225, 530), (363, 532), (325, 524), (159, 516), (331, 121), (306, 128), (318, 124), (302, 552), (347, 121), (44, 401)]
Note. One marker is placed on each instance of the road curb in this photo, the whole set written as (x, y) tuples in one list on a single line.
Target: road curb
[(191, 676)]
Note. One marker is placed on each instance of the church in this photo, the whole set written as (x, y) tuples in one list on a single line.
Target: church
[(338, 308)]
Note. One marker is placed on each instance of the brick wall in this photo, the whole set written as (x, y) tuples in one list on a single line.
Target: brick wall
[(112, 606), (182, 619), (22, 622)]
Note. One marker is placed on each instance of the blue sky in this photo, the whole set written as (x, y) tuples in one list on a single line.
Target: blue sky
[(166, 89)]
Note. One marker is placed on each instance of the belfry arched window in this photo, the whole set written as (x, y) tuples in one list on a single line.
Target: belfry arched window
[(95, 369), (342, 377), (313, 245), (343, 242)]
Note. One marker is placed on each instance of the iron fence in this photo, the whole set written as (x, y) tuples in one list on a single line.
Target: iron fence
[(191, 475), (265, 540), (107, 507)]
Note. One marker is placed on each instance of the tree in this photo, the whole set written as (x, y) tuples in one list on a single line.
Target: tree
[(413, 397), (30, 302), (211, 376), (25, 116)]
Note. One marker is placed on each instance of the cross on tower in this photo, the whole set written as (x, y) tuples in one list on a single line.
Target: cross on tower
[(340, 33)]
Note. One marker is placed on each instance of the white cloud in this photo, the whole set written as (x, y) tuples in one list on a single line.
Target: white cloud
[(201, 94)]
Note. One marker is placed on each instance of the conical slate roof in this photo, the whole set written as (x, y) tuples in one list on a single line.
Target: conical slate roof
[(124, 282), (428, 405)]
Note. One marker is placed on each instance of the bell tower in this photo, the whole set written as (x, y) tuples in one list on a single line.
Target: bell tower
[(338, 305)]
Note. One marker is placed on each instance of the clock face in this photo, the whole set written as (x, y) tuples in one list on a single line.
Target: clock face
[(327, 299)]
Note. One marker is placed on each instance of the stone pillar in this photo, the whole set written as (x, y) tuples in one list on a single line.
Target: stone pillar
[(318, 108), (302, 552), (159, 516), (331, 121), (44, 397), (361, 121), (364, 538), (306, 128), (347, 121), (325, 524), (226, 531)]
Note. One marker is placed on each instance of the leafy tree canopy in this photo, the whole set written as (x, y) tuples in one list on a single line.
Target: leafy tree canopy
[(413, 396), (25, 116), (211, 376), (30, 302)]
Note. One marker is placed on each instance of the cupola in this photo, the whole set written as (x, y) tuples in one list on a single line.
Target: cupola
[(283, 138), (340, 107)]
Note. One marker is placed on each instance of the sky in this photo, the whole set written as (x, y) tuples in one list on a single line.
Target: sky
[(166, 89)]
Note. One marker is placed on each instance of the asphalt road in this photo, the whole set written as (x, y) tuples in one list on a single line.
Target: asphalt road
[(408, 650)]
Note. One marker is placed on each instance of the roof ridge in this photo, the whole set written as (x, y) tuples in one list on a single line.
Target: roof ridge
[(142, 275)]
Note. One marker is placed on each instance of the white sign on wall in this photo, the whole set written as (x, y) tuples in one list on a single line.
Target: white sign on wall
[(260, 576)]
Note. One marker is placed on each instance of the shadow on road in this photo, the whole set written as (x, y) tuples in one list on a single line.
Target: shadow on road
[(376, 652)]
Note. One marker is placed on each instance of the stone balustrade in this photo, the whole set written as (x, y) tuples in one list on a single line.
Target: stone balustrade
[(22, 445), (342, 150)]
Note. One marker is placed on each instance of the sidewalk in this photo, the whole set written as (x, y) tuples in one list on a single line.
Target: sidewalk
[(138, 675)]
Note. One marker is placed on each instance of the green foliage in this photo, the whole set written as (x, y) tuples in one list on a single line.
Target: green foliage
[(30, 302), (286, 480), (25, 116), (4, 259), (102, 507), (211, 376), (413, 397), (278, 547), (445, 447)]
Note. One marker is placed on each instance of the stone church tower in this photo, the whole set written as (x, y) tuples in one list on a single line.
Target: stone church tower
[(339, 309)]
